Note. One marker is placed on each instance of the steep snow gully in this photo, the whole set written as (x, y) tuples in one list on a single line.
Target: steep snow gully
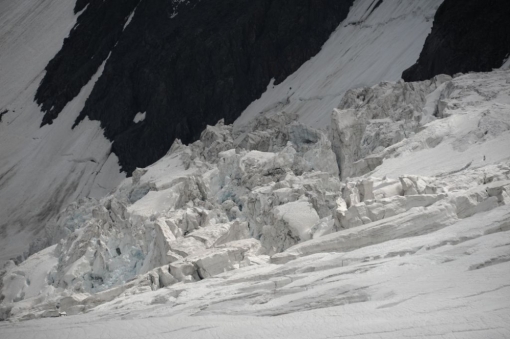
[(336, 205)]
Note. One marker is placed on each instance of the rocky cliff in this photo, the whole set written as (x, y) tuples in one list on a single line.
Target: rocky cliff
[(467, 36)]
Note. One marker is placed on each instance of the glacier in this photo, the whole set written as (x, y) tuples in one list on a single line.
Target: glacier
[(337, 205), (263, 225)]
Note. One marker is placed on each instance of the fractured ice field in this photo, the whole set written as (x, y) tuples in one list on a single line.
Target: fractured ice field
[(392, 222)]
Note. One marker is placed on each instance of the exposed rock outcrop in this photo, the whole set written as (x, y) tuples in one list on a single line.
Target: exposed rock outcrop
[(467, 36)]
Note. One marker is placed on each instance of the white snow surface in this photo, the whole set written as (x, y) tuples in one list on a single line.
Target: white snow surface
[(139, 117), (255, 234), (42, 169), (130, 17)]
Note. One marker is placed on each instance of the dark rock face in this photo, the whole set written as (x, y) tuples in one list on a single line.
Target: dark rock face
[(88, 45), (186, 64), (470, 35)]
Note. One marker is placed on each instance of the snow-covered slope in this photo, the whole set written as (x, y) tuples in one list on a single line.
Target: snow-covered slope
[(377, 41), (256, 230), (42, 169)]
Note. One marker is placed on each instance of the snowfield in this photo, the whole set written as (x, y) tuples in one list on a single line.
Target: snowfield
[(392, 222)]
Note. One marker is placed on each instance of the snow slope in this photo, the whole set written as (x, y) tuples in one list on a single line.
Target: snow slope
[(376, 42), (42, 169)]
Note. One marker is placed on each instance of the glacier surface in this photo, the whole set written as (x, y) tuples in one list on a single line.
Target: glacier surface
[(271, 229), (325, 211)]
